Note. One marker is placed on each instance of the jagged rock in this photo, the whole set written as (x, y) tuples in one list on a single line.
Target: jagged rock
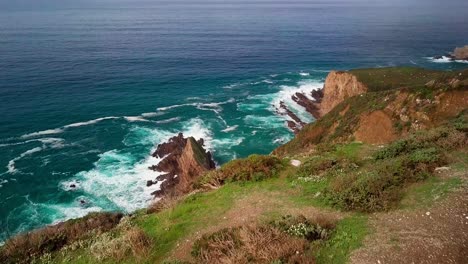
[(460, 53), (149, 183), (338, 87), (308, 104), (184, 159), (296, 123)]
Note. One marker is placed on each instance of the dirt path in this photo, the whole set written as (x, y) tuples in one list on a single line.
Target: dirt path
[(250, 209), (438, 234)]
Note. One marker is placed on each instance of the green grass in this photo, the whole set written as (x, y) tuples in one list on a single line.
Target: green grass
[(348, 236), (349, 151), (381, 79), (203, 209), (428, 192)]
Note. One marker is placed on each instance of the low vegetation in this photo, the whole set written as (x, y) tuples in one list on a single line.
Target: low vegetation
[(252, 168), (338, 183), (26, 247)]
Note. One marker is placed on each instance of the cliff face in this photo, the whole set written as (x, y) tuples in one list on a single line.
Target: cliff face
[(184, 159), (381, 116), (338, 87), (461, 53)]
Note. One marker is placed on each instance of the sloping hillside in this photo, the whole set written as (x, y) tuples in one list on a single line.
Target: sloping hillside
[(380, 178)]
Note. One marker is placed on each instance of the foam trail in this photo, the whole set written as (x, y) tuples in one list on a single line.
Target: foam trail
[(169, 120), (136, 119), (90, 122), (43, 140), (230, 128), (62, 129), (11, 164), (152, 114), (43, 133)]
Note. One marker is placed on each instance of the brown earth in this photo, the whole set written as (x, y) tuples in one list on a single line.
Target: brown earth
[(249, 210), (375, 128), (438, 234)]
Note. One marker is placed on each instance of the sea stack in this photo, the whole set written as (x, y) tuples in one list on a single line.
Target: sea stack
[(183, 161)]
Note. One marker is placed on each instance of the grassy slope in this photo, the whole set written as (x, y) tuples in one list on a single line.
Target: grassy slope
[(289, 189)]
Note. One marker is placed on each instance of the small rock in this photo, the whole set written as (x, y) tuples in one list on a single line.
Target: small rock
[(73, 186), (440, 169), (149, 183), (296, 163), (428, 213)]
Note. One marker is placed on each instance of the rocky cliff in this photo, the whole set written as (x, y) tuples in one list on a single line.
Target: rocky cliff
[(183, 160), (423, 100), (339, 86)]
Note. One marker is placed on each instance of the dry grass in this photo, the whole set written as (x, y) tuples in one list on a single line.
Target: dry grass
[(25, 247), (251, 244), (133, 242)]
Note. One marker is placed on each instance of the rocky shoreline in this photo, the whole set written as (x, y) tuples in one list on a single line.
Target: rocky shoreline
[(459, 54)]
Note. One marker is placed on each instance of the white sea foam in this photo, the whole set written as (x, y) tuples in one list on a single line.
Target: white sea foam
[(282, 140), (152, 114), (2, 182), (201, 106), (264, 122), (91, 122), (55, 143), (169, 120), (285, 96), (43, 133), (62, 129), (58, 142), (11, 164), (445, 59), (198, 129), (230, 128), (136, 119), (118, 178), (66, 185), (304, 74)]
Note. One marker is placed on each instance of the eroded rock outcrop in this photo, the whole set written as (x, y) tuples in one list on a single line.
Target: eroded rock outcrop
[(183, 161), (460, 53), (339, 86)]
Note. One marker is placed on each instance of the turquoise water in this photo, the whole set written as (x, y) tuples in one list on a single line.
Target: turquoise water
[(88, 89)]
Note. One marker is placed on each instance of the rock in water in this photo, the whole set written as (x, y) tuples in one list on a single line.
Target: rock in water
[(461, 53), (184, 160)]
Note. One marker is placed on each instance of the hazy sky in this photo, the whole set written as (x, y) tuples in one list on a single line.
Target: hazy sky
[(6, 5)]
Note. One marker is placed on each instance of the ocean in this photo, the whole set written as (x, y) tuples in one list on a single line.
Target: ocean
[(89, 88)]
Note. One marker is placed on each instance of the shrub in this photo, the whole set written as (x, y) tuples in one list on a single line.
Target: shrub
[(133, 242), (301, 227), (26, 247), (315, 165), (253, 168), (379, 188), (443, 138), (251, 244)]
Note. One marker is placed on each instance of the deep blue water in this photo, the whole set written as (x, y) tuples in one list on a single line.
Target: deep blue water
[(88, 88)]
